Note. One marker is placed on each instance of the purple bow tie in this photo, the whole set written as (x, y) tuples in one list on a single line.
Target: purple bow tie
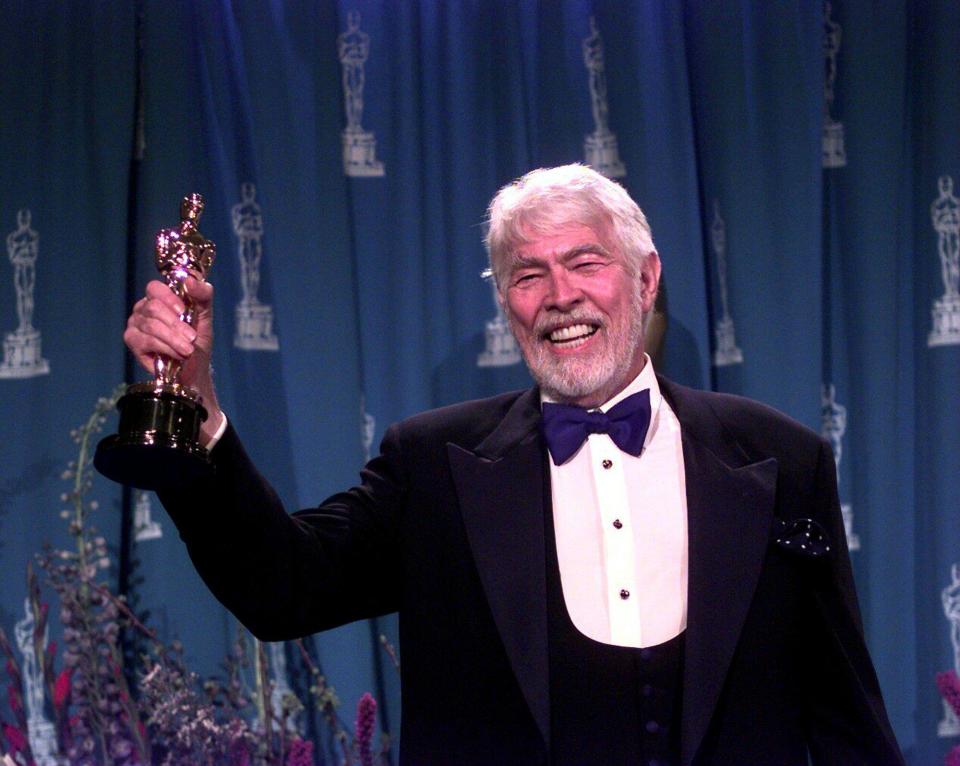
[(566, 427)]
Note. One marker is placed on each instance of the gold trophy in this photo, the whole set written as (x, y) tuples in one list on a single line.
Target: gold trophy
[(157, 442)]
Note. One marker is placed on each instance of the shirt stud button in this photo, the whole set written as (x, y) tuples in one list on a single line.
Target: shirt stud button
[(617, 524), (624, 594), (607, 464)]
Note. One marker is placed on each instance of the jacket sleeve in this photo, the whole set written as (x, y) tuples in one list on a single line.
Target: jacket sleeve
[(286, 576), (847, 718)]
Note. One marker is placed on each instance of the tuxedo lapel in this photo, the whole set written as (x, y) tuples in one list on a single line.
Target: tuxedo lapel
[(729, 513), (500, 491), (730, 503)]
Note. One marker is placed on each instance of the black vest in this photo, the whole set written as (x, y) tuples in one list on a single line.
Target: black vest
[(609, 705)]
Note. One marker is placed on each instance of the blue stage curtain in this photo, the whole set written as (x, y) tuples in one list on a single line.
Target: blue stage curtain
[(797, 163)]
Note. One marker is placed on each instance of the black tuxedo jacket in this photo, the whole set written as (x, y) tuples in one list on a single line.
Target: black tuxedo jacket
[(447, 527)]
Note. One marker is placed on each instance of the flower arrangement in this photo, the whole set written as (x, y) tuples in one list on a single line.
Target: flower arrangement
[(165, 715)]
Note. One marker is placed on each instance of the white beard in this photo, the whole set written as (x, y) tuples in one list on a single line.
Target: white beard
[(574, 377)]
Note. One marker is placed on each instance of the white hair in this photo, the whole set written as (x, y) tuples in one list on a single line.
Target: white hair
[(548, 199)]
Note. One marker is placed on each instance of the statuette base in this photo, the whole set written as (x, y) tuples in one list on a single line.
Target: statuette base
[(360, 155), (22, 357), (853, 539), (603, 154), (255, 328), (727, 352), (949, 726), (501, 349), (157, 445), (834, 150), (946, 322)]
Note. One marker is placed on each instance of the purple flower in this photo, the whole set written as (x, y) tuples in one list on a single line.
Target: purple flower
[(365, 726), (300, 753), (121, 748), (953, 757)]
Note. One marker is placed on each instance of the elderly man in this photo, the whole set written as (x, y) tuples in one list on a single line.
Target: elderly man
[(606, 569)]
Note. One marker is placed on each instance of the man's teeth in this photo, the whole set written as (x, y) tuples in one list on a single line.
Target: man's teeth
[(573, 335)]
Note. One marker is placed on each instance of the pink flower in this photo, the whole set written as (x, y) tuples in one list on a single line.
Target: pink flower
[(61, 688), (949, 686), (13, 698), (365, 726), (15, 737)]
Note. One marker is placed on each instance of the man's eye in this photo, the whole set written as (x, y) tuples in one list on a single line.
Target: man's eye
[(524, 278), (588, 266)]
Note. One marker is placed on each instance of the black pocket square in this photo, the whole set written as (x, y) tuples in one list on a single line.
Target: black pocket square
[(804, 537)]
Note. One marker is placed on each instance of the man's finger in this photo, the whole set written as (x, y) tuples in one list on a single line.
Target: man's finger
[(177, 335), (200, 291), (145, 345), (154, 309), (159, 291)]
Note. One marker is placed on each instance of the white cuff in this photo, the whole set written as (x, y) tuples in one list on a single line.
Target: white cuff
[(221, 430)]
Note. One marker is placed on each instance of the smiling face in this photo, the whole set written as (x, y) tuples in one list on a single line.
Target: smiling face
[(576, 309)]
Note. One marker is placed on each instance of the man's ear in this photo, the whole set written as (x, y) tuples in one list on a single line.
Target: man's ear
[(501, 298), (650, 276)]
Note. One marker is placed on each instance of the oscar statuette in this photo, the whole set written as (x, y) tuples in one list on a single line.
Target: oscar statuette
[(157, 445)]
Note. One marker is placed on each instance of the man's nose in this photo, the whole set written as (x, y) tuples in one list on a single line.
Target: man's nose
[(564, 292)]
